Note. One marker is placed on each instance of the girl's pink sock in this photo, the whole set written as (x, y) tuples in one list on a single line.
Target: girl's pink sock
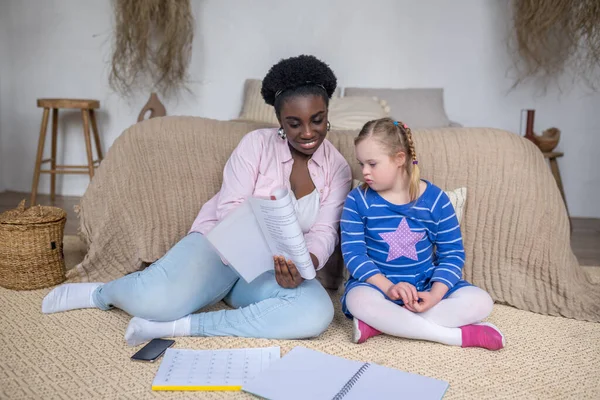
[(483, 335), (361, 331)]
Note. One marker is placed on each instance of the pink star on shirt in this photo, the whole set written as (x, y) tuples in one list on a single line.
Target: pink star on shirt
[(402, 242)]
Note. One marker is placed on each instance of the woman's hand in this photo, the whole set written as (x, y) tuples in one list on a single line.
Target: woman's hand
[(404, 291), (286, 273)]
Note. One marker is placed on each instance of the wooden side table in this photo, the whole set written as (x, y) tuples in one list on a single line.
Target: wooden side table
[(552, 156)]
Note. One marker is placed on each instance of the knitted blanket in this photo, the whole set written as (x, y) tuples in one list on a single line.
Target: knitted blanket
[(158, 173)]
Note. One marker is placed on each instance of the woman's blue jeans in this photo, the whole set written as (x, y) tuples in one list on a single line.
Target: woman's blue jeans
[(192, 276)]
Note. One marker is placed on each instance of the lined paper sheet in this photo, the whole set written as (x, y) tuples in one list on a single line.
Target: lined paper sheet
[(225, 369)]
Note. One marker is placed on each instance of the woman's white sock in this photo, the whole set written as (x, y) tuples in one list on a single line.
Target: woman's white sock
[(141, 330), (69, 296)]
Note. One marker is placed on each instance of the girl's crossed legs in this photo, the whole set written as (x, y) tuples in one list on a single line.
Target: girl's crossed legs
[(453, 321)]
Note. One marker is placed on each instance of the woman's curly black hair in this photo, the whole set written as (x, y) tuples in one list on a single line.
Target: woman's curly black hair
[(301, 75)]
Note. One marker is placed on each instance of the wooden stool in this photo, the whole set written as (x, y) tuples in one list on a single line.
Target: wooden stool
[(87, 114)]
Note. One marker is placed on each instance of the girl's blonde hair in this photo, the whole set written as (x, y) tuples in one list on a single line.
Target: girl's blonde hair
[(397, 137)]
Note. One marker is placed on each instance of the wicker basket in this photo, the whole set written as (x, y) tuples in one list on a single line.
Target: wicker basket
[(31, 247)]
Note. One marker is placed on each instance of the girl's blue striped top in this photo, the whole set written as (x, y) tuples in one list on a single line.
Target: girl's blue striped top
[(419, 243)]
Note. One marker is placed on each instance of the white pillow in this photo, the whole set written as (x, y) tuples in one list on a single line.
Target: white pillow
[(458, 198), (353, 112)]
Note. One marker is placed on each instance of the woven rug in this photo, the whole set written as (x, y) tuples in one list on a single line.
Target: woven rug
[(82, 354)]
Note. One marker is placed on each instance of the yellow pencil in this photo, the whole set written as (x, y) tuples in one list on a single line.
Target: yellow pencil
[(202, 388)]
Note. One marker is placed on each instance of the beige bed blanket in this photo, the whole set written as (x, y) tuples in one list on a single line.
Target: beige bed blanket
[(158, 173)]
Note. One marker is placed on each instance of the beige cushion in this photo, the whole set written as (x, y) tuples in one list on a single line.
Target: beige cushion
[(419, 108), (254, 107), (458, 198), (354, 112)]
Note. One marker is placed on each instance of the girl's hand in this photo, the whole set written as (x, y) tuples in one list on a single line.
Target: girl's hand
[(286, 273), (428, 300), (404, 291)]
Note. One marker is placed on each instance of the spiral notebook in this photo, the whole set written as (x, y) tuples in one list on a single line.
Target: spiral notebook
[(308, 374)]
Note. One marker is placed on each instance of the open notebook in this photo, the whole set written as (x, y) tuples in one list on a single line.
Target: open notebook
[(308, 374), (249, 237)]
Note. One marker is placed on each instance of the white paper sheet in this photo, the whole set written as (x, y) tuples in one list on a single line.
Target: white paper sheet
[(212, 368), (259, 229)]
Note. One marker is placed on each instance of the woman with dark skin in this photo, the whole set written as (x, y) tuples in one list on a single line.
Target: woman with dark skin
[(279, 304)]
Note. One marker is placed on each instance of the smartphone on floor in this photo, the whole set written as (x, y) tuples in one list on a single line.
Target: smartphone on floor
[(153, 350)]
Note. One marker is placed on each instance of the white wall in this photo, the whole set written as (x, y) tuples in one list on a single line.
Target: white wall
[(3, 86), (60, 48)]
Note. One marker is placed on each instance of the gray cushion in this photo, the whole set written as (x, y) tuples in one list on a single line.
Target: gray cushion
[(419, 108)]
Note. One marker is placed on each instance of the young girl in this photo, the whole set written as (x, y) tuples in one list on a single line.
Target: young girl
[(402, 244)]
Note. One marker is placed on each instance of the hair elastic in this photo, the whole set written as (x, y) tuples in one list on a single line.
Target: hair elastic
[(403, 125), (302, 84)]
